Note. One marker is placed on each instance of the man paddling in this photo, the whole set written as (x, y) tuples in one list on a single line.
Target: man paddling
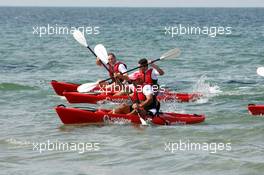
[(143, 97), (150, 75), (116, 68)]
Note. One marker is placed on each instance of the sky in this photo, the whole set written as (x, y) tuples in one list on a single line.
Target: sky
[(135, 3)]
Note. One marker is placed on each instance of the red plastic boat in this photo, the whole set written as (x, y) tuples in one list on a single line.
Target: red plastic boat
[(256, 109), (81, 116), (70, 91), (76, 97)]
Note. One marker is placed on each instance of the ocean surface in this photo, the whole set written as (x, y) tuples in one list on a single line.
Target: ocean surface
[(223, 68)]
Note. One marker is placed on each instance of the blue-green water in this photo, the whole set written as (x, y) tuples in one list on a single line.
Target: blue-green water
[(222, 67)]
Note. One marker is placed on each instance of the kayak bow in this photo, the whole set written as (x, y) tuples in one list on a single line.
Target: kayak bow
[(60, 87), (256, 109)]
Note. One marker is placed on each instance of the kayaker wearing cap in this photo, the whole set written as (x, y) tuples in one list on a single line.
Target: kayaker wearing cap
[(116, 68), (143, 97)]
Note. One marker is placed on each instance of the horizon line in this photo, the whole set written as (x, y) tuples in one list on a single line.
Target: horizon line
[(135, 6)]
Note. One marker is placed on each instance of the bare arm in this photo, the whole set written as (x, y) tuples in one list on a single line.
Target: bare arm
[(123, 76), (160, 71), (148, 101), (98, 62)]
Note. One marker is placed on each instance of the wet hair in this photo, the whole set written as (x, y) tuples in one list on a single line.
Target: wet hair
[(143, 62), (112, 54)]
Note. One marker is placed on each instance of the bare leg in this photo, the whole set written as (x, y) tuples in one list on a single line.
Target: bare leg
[(122, 109)]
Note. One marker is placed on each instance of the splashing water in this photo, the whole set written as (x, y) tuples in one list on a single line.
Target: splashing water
[(206, 89)]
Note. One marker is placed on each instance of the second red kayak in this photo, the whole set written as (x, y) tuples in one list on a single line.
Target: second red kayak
[(256, 109), (93, 98), (70, 91)]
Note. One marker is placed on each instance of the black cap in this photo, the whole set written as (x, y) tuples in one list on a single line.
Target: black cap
[(143, 62)]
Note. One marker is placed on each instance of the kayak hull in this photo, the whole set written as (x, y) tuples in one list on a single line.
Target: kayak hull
[(69, 90), (254, 109), (76, 97), (81, 116)]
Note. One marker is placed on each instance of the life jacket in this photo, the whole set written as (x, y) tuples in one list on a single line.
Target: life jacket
[(140, 97), (114, 69), (148, 79)]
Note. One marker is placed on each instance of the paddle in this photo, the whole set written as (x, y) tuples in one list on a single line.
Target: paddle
[(260, 71), (78, 36), (83, 88), (101, 51), (173, 53)]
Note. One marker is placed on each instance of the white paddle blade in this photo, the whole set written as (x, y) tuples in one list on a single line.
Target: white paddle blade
[(101, 52), (260, 71), (78, 36), (143, 122), (87, 87), (173, 53)]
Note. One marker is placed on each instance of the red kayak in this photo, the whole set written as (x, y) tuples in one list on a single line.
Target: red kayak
[(70, 91), (76, 97), (256, 109), (81, 116)]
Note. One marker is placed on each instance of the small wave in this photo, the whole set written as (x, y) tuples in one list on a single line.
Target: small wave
[(239, 82), (49, 65), (14, 87), (237, 35), (16, 68), (257, 55)]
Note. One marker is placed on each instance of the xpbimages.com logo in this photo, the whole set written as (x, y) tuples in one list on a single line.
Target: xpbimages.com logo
[(63, 30)]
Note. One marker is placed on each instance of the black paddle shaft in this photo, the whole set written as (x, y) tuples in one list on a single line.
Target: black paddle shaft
[(99, 59), (132, 69)]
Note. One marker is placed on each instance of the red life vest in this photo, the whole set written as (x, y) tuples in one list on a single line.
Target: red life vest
[(116, 66), (114, 69), (148, 79), (138, 96)]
